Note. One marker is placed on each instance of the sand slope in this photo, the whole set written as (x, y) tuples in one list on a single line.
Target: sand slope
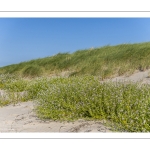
[(141, 76)]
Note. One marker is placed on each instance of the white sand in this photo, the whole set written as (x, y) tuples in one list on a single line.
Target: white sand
[(21, 118), (136, 77)]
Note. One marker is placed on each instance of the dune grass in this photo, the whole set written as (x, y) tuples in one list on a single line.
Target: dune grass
[(106, 62)]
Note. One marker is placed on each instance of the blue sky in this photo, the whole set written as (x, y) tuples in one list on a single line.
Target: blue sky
[(23, 39)]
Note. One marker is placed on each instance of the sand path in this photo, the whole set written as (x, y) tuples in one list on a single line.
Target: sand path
[(21, 118)]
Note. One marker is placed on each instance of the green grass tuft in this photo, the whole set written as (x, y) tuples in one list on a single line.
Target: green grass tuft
[(32, 71)]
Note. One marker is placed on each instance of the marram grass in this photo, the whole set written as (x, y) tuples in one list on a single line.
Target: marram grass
[(106, 61)]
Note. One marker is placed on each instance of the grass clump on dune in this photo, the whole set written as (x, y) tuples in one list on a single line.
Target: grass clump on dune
[(32, 71), (12, 89)]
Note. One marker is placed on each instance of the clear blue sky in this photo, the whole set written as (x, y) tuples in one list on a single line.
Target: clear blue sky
[(23, 39)]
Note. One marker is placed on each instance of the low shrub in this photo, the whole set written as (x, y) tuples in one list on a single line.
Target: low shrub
[(72, 98)]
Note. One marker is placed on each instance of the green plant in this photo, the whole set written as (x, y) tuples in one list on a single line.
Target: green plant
[(32, 71), (126, 105), (4, 103)]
